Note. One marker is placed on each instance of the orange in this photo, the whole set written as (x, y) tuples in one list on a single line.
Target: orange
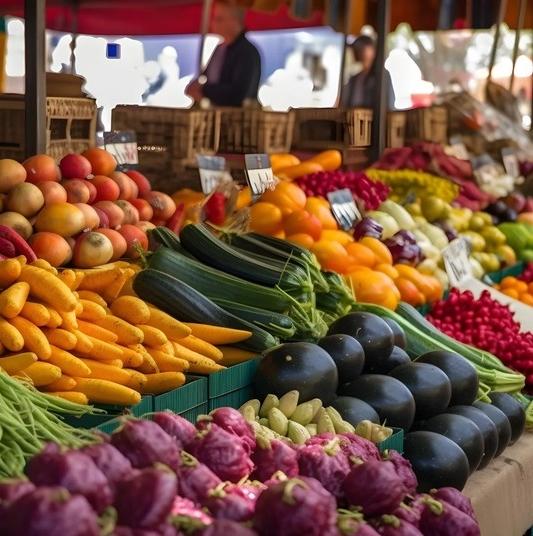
[(342, 237), (508, 282), (511, 292), (330, 160), (520, 286), (331, 255), (526, 298), (320, 208), (409, 293), (244, 198), (280, 234), (530, 287), (301, 239), (361, 255), (387, 269), (373, 287), (102, 162), (265, 218), (301, 221), (287, 196), (381, 251)]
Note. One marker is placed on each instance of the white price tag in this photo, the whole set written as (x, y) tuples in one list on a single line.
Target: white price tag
[(458, 148), (122, 144), (344, 208), (510, 162), (456, 262), (259, 173), (211, 170)]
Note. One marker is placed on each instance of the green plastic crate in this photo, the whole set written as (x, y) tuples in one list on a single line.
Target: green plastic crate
[(394, 442), (235, 399), (188, 396), (232, 378), (193, 413)]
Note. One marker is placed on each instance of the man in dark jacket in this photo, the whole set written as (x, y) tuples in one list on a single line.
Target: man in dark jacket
[(234, 70)]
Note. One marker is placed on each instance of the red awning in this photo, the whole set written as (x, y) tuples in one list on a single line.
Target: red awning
[(146, 17)]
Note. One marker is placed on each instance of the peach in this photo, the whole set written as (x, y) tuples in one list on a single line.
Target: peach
[(53, 192), (75, 166), (41, 168), (51, 247)]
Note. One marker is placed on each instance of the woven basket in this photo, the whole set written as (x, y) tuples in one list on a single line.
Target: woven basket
[(332, 128), (396, 123), (427, 124), (70, 126)]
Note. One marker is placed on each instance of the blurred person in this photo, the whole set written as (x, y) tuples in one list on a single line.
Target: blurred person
[(360, 91), (233, 73)]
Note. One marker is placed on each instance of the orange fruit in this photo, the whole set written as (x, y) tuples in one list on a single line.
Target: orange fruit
[(301, 239), (321, 209), (342, 237), (526, 298), (102, 162), (265, 218), (331, 255), (301, 221), (287, 196), (530, 287), (511, 292), (409, 292), (361, 255), (387, 269), (373, 287), (508, 282), (520, 286), (381, 251)]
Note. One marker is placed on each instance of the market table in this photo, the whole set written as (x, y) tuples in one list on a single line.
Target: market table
[(502, 493)]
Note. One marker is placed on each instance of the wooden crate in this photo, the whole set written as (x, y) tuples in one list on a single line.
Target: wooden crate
[(396, 123), (332, 128), (70, 124), (252, 130), (427, 124)]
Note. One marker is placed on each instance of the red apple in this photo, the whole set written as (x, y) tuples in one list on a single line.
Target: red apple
[(75, 166)]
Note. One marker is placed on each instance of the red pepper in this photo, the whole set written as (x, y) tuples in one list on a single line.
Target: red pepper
[(215, 208), (176, 220), (21, 246)]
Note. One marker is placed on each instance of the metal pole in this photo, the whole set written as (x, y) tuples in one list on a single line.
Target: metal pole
[(347, 24), (381, 104), (35, 79), (519, 25), (206, 15), (501, 13)]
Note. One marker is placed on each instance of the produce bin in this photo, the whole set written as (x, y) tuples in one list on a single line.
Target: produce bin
[(235, 399), (515, 270), (427, 124), (396, 122), (332, 128), (184, 398), (232, 378), (70, 126), (252, 130), (394, 442)]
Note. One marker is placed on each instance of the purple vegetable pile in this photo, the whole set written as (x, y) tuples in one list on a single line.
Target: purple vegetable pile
[(166, 477)]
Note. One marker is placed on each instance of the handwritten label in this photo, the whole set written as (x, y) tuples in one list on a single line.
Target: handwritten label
[(122, 144), (212, 170), (510, 162), (259, 173), (456, 262), (344, 208)]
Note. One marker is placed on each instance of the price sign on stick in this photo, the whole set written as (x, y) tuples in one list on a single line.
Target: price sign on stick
[(259, 173), (122, 144), (344, 208), (510, 162), (212, 170), (456, 262)]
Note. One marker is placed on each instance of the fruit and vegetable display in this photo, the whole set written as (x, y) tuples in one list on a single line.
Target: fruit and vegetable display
[(166, 476), (81, 212)]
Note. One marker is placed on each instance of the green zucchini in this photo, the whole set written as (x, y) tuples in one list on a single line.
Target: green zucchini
[(185, 303), (165, 237), (198, 240), (215, 284), (277, 324)]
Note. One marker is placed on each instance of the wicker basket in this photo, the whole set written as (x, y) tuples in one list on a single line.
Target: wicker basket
[(251, 130), (168, 139), (70, 124), (396, 122), (333, 128), (427, 124)]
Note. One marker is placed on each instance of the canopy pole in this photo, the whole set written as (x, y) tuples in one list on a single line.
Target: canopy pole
[(379, 121), (519, 25), (35, 78), (347, 26), (206, 15)]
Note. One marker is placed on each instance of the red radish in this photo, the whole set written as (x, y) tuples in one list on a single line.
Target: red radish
[(118, 242), (75, 166), (104, 220), (77, 191), (92, 220), (131, 214), (140, 180), (92, 249), (146, 212), (106, 188), (53, 192), (92, 191), (135, 238), (114, 213)]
